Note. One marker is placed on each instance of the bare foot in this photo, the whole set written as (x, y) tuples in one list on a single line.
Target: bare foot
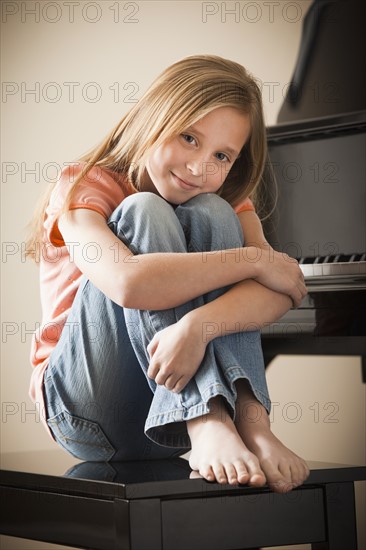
[(283, 469), (218, 453)]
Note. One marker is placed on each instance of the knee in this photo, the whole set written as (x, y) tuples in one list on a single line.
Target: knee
[(147, 223), (146, 204), (213, 208), (142, 210), (212, 218)]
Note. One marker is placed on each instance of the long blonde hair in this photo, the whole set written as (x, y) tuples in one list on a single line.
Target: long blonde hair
[(182, 94)]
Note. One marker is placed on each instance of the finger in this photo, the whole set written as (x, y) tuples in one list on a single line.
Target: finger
[(180, 384), (152, 346), (153, 370), (161, 378), (298, 294), (303, 290), (170, 382), (295, 299)]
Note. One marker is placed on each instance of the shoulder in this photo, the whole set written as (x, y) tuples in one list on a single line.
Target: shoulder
[(98, 190), (245, 206), (91, 184)]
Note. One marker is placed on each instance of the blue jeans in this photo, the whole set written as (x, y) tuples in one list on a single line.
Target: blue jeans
[(100, 404)]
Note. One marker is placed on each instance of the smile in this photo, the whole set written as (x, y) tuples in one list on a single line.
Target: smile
[(184, 184)]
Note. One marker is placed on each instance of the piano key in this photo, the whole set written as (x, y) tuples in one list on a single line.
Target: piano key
[(355, 258), (332, 259), (335, 270)]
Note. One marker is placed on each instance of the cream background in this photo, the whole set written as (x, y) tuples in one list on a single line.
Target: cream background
[(44, 131)]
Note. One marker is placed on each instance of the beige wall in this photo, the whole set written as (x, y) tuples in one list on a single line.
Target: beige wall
[(84, 74), (114, 59)]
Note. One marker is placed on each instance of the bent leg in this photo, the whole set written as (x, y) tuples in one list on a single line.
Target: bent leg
[(242, 452), (146, 223), (97, 398)]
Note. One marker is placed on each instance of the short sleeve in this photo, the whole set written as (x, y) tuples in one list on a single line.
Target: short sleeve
[(245, 206), (98, 191)]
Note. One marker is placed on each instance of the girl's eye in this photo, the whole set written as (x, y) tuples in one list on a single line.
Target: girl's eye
[(222, 157), (188, 138)]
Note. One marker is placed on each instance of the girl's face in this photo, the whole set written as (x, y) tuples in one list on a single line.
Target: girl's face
[(198, 160)]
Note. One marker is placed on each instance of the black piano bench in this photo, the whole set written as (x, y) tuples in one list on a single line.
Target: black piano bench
[(154, 505)]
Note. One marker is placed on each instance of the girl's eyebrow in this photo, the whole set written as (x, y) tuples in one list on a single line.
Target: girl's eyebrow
[(229, 149)]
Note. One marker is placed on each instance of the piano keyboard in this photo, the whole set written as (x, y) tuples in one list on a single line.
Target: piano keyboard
[(339, 269), (324, 276)]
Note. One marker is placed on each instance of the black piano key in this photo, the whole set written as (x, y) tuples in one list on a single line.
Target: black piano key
[(355, 257), (332, 259), (343, 258), (307, 260)]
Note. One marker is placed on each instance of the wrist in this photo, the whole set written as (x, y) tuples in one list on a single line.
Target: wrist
[(195, 323), (254, 261)]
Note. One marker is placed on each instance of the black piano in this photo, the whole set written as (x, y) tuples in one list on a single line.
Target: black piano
[(315, 186)]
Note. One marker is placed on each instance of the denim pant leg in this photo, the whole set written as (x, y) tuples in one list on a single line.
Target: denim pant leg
[(146, 223), (96, 395)]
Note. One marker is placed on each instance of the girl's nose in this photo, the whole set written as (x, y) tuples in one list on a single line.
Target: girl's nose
[(195, 165)]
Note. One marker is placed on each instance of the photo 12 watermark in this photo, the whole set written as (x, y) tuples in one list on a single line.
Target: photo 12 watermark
[(71, 12), (251, 12), (68, 92)]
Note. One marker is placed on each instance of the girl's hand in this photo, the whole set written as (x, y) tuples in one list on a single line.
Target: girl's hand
[(176, 353), (279, 272)]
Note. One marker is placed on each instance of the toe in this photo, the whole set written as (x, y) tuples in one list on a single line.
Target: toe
[(231, 474), (302, 472), (296, 474), (207, 473), (257, 477), (220, 474), (241, 472), (277, 480), (305, 470)]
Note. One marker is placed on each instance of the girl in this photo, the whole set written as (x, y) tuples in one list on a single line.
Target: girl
[(152, 304)]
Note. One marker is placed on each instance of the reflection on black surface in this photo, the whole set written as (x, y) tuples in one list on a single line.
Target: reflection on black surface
[(131, 472), (340, 313)]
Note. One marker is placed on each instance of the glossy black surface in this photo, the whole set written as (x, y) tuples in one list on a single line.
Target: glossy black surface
[(320, 171), (138, 479), (155, 506), (320, 219), (328, 76)]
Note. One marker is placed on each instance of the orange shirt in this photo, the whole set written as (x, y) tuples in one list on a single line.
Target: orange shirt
[(102, 191)]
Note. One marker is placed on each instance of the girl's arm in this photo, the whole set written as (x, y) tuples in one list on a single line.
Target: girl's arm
[(160, 281), (177, 351)]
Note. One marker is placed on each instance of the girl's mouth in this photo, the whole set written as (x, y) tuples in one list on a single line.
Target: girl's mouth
[(184, 184)]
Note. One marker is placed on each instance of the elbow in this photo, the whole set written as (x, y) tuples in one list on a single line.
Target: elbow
[(127, 301), (127, 294)]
